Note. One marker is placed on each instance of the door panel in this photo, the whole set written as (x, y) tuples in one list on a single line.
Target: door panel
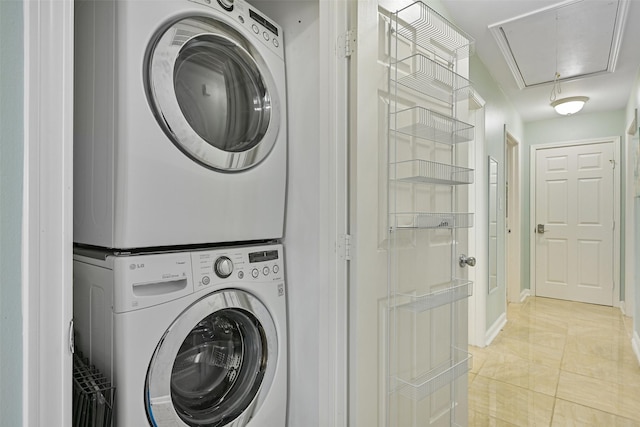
[(588, 271), (557, 261), (574, 202), (588, 201), (556, 212)]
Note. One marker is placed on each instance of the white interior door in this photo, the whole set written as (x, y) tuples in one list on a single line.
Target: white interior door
[(425, 261), (367, 216), (574, 221)]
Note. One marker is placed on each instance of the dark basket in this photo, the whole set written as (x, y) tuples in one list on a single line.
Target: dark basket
[(93, 395)]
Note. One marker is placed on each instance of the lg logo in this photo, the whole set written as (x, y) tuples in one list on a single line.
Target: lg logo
[(134, 266)]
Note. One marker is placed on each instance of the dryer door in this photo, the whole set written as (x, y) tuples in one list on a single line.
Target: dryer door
[(213, 94), (214, 364)]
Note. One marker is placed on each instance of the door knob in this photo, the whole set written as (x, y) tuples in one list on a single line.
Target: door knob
[(467, 260), (540, 229)]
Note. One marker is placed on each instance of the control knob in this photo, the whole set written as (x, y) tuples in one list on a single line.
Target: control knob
[(226, 4), (223, 267)]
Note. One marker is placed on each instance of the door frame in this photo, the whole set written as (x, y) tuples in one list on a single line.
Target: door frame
[(47, 219), (47, 236), (615, 140), (628, 306), (514, 232), (478, 203), (333, 390)]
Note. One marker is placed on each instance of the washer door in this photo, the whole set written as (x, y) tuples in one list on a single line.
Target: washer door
[(213, 94), (214, 364)]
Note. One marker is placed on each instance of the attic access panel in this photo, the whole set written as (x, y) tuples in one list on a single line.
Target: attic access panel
[(577, 38)]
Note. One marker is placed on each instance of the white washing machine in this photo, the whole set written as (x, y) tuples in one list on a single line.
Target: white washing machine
[(188, 338), (180, 128)]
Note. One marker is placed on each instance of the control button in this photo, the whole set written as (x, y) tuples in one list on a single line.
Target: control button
[(266, 271), (206, 280), (223, 267), (255, 28), (276, 268), (265, 35), (276, 43), (240, 274), (255, 273)]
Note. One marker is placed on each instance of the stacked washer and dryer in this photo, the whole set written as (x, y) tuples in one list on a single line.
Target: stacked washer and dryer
[(179, 197)]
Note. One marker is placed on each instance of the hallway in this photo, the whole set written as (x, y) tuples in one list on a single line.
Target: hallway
[(557, 363)]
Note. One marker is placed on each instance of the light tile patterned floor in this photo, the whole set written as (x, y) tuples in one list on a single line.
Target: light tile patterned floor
[(557, 363)]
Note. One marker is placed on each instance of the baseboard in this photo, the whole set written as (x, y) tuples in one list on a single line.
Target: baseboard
[(494, 330), (526, 293), (622, 307), (635, 343)]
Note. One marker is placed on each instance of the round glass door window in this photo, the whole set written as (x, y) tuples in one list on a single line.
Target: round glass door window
[(214, 373), (213, 94)]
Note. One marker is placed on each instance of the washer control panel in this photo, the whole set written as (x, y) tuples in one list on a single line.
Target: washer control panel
[(224, 266), (146, 280)]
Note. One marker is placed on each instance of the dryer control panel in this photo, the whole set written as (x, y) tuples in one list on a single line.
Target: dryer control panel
[(248, 265), (257, 23)]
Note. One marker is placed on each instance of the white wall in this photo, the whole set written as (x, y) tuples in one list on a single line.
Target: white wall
[(11, 161), (498, 113), (299, 20)]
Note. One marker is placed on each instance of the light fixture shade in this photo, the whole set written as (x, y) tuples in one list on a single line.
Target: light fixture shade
[(568, 106)]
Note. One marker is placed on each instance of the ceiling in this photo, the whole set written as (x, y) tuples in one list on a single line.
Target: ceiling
[(592, 44)]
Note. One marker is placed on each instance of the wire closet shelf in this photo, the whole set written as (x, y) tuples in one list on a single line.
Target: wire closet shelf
[(427, 178)]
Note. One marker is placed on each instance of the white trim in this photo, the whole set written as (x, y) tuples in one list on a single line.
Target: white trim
[(635, 343), (47, 212), (630, 141), (478, 203), (532, 219), (333, 303), (495, 329), (615, 140), (526, 293), (515, 218), (503, 45), (476, 101), (623, 307), (571, 143), (621, 23), (632, 129)]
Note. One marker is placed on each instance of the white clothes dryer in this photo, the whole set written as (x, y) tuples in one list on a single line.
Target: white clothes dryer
[(187, 338), (180, 127)]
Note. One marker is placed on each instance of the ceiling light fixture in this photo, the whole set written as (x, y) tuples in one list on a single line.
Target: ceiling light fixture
[(568, 106), (564, 106)]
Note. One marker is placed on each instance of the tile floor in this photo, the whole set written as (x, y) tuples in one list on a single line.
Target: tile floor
[(557, 363)]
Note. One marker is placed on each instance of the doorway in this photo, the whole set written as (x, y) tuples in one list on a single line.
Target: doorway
[(575, 192)]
